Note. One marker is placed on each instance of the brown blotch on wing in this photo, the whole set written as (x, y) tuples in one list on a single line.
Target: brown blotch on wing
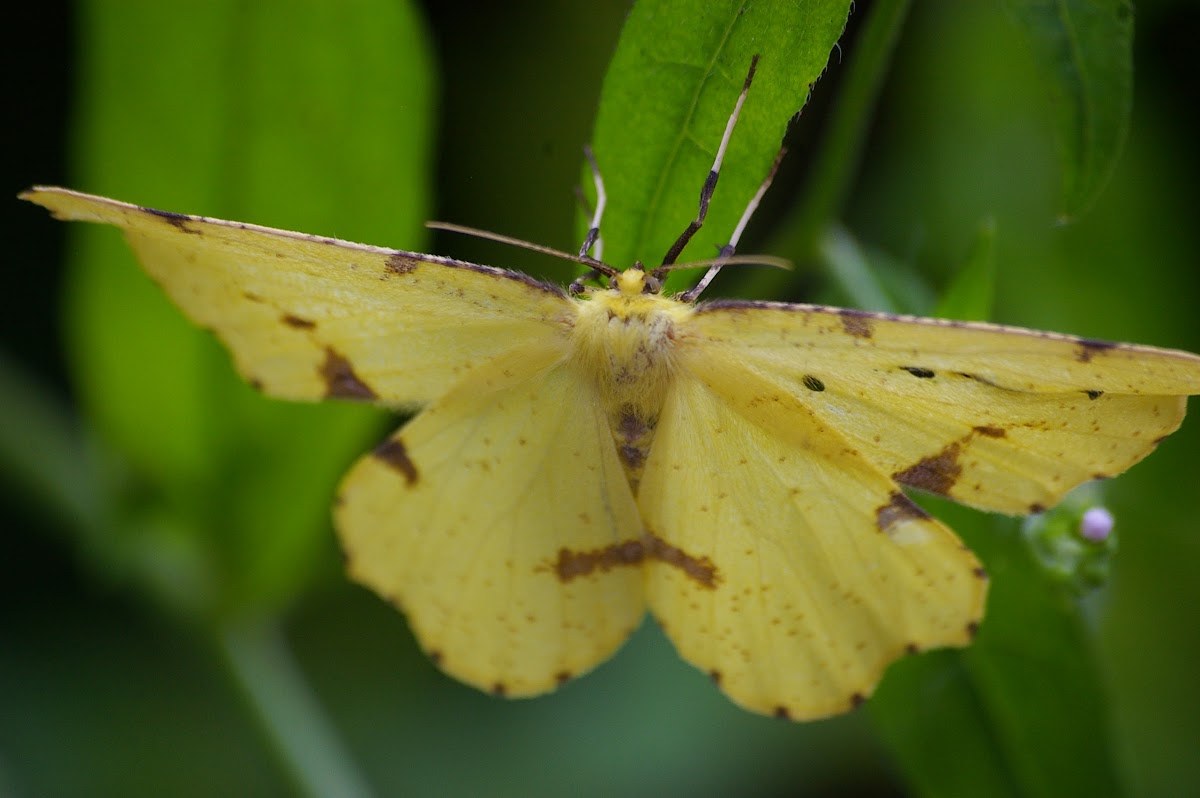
[(176, 220), (898, 509), (399, 263), (782, 713), (858, 323), (499, 689), (393, 453), (857, 700), (340, 380), (700, 569), (919, 372), (298, 322), (1089, 348), (571, 564), (936, 473), (990, 432)]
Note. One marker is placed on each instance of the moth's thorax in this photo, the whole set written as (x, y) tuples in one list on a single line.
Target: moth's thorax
[(624, 341)]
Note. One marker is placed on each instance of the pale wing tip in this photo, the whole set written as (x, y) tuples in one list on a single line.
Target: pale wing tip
[(61, 202)]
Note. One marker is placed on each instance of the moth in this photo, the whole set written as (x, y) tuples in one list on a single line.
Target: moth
[(581, 455)]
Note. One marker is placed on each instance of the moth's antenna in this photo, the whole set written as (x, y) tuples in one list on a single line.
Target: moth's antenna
[(591, 263), (730, 260), (593, 234), (710, 183), (727, 251)]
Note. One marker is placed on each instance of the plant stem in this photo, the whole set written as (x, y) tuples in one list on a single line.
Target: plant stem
[(304, 738)]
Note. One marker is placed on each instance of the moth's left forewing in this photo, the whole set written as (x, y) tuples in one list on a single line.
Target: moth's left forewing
[(1000, 418), (308, 317)]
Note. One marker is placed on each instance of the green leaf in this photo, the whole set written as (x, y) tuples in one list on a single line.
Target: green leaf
[(669, 91), (317, 118), (970, 294), (1084, 51), (1024, 704)]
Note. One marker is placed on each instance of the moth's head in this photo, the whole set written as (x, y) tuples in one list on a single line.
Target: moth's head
[(634, 281)]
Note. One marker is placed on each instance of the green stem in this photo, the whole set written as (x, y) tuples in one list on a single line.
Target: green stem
[(840, 151), (307, 743)]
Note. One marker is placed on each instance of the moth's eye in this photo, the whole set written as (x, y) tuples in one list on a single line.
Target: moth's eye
[(652, 286)]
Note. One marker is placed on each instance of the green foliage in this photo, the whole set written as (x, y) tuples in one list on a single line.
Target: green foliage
[(316, 120), (667, 95), (1084, 51)]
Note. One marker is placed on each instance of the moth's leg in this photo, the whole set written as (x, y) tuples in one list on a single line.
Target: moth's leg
[(593, 235), (728, 250), (710, 183)]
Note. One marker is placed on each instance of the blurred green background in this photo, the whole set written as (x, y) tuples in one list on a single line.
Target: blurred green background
[(137, 656)]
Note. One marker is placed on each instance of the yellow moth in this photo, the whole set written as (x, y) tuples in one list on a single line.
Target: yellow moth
[(736, 467)]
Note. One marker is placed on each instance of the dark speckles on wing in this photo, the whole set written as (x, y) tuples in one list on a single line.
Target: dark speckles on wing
[(340, 380), (917, 371), (400, 263)]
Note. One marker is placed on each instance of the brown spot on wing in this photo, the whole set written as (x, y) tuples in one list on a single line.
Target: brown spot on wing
[(399, 263), (1094, 394), (990, 432), (298, 322), (858, 323), (813, 384), (782, 713), (340, 380), (393, 453), (499, 689), (857, 700), (898, 509), (919, 372), (562, 677), (936, 473)]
